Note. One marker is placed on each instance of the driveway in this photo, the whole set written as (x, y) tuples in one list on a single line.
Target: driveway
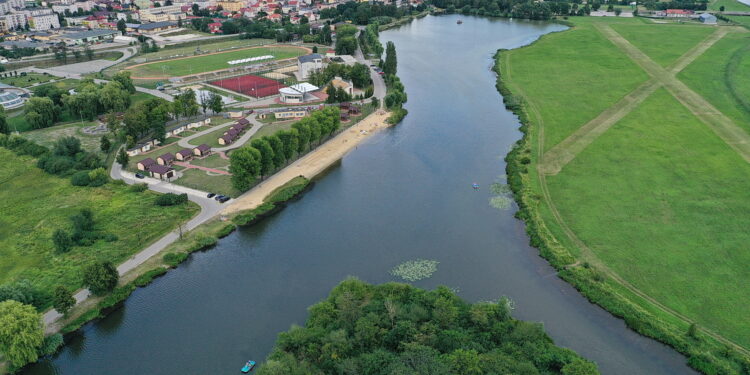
[(185, 142)]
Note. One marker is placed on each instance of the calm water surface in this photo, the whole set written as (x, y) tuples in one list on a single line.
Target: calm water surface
[(405, 194)]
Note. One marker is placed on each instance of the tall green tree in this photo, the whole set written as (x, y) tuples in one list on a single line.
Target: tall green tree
[(123, 77), (41, 112), (122, 27), (4, 127), (245, 166), (62, 241), (215, 103), (122, 158), (62, 299), (100, 277), (304, 135), (290, 139), (21, 332), (105, 144), (266, 155), (390, 63), (114, 97), (279, 158)]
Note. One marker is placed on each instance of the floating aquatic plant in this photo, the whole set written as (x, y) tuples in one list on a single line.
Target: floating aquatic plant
[(500, 202), (499, 188), (415, 270)]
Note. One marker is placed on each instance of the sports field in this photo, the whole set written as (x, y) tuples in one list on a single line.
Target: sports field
[(251, 85), (209, 62), (643, 175)]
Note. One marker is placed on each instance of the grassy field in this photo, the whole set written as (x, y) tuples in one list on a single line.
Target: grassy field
[(717, 76), (210, 62), (742, 20), (35, 204), (592, 84), (657, 200), (729, 5), (48, 136), (189, 48), (210, 138), (668, 214), (27, 80), (197, 179), (681, 38)]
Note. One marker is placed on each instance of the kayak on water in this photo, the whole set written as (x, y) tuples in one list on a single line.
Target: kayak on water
[(248, 367)]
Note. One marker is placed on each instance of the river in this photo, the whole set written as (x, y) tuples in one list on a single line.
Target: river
[(404, 194)]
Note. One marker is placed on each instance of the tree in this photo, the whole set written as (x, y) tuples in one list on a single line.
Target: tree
[(105, 144), (122, 27), (122, 158), (290, 139), (389, 66), (4, 127), (215, 103), (580, 367), (100, 277), (21, 332), (229, 27), (244, 163), (721, 8), (266, 155), (279, 158), (114, 97), (67, 146), (123, 77), (89, 52), (41, 112), (62, 241), (62, 299)]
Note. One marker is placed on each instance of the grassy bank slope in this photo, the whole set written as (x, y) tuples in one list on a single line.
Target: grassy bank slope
[(677, 39), (592, 72), (35, 204), (647, 221)]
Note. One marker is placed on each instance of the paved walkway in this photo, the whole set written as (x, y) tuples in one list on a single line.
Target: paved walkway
[(209, 209), (561, 154), (207, 169), (185, 142)]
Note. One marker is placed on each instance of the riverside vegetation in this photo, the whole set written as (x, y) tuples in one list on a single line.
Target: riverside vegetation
[(396, 328), (647, 219)]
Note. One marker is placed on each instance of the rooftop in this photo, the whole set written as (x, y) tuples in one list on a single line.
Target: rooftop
[(90, 34), (310, 58)]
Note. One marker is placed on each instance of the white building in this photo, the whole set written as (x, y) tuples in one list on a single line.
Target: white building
[(44, 22), (299, 93), (11, 21), (6, 6), (308, 64)]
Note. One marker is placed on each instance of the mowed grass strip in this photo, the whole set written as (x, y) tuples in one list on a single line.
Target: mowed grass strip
[(729, 5), (664, 203), (210, 62), (587, 75), (35, 204), (719, 75), (679, 39)]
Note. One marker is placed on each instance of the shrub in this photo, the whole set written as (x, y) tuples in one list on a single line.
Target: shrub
[(147, 277), (22, 291), (171, 199), (51, 345), (173, 259), (98, 177), (226, 230), (62, 299), (80, 179), (62, 241), (138, 188), (101, 277)]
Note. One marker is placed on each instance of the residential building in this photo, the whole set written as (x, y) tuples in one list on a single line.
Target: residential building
[(12, 21), (231, 6), (309, 63), (6, 6), (161, 172), (202, 150), (145, 164), (44, 22), (183, 155), (165, 159)]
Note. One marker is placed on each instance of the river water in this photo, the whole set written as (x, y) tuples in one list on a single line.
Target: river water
[(404, 194)]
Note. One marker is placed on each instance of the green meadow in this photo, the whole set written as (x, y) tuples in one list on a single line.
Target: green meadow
[(658, 199), (35, 204)]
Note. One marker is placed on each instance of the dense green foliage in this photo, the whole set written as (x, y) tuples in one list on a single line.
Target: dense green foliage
[(171, 199), (21, 333), (395, 329), (62, 299), (358, 73), (363, 13), (100, 277), (267, 154)]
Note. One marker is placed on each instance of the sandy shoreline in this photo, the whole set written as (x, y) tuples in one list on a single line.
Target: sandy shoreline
[(313, 163)]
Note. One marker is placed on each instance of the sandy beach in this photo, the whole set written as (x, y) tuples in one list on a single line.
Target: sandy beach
[(313, 163)]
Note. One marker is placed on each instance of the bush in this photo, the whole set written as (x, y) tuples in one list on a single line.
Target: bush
[(62, 241), (101, 277), (98, 177), (22, 291), (80, 179), (171, 199), (173, 259), (138, 188), (51, 345)]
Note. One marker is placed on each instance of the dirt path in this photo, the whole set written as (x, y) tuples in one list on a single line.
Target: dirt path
[(206, 169), (583, 139), (314, 162), (564, 152)]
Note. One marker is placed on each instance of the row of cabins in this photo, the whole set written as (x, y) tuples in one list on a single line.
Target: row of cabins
[(161, 167), (148, 145), (234, 132)]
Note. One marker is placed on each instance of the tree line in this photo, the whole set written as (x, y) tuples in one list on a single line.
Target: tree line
[(395, 329), (267, 154), (366, 13)]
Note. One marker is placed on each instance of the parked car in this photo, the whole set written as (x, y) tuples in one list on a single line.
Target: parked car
[(381, 72), (210, 195), (222, 200), (250, 112), (138, 175), (218, 197)]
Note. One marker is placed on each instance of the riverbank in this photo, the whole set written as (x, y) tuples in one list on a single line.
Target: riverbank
[(707, 351)]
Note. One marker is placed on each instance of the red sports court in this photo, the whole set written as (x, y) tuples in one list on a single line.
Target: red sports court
[(251, 85)]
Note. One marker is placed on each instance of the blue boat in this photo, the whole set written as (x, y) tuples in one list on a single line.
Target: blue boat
[(475, 186), (248, 367)]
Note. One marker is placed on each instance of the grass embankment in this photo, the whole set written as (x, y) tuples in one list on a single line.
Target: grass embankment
[(729, 6), (35, 204), (210, 62), (27, 80), (647, 221)]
